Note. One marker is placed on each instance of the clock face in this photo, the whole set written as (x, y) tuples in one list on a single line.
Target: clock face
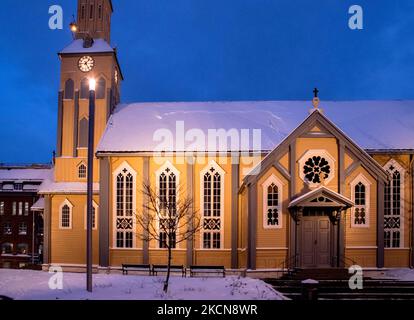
[(86, 64)]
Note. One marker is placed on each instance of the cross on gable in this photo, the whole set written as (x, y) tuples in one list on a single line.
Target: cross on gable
[(212, 170), (168, 170), (316, 92)]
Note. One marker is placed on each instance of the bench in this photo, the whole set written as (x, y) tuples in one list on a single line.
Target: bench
[(194, 270), (136, 267), (164, 269)]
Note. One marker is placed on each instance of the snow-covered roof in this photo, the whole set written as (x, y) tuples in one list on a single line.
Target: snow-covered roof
[(371, 124), (99, 46), (21, 175), (50, 187), (39, 205)]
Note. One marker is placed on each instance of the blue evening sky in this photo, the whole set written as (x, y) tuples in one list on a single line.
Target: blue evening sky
[(197, 50)]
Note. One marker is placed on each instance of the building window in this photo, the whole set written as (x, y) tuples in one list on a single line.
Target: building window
[(7, 248), (91, 11), (100, 12), (8, 229), (83, 10), (212, 186), (83, 133), (94, 215), (272, 203), (125, 207), (69, 89), (2, 208), (167, 179), (360, 187), (22, 248), (84, 90), (22, 228), (101, 88), (20, 208), (18, 186), (82, 173), (393, 206), (14, 212), (66, 215), (26, 209)]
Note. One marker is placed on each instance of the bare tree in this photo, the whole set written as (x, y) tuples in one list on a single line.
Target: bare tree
[(169, 219)]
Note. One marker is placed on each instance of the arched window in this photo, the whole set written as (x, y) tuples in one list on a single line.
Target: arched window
[(69, 89), (272, 203), (100, 88), (66, 215), (212, 186), (82, 172), (83, 133), (393, 206), (125, 207), (84, 90), (167, 179), (360, 187)]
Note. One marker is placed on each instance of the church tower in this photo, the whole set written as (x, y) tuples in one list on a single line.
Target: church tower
[(94, 19), (90, 55)]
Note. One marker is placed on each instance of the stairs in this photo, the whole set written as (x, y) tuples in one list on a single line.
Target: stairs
[(333, 285)]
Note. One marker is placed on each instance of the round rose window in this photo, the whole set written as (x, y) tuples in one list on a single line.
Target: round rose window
[(317, 169)]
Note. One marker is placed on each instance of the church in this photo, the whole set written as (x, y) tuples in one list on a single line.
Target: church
[(306, 184)]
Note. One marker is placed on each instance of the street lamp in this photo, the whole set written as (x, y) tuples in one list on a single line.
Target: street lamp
[(91, 137)]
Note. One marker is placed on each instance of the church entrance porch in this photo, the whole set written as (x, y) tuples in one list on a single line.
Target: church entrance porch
[(317, 229)]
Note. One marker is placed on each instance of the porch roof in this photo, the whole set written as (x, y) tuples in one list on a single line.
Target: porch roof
[(322, 197)]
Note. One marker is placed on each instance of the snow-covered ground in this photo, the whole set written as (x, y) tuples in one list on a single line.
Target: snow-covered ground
[(395, 274), (34, 285)]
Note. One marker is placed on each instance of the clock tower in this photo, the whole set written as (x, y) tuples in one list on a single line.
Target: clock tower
[(90, 55)]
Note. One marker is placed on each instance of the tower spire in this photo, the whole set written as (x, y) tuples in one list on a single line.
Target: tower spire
[(94, 19)]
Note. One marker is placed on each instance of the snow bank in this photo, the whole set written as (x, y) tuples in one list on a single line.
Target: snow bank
[(33, 285)]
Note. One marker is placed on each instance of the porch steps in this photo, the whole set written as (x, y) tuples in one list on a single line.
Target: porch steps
[(333, 285)]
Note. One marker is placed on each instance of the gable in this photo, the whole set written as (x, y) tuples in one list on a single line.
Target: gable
[(327, 130)]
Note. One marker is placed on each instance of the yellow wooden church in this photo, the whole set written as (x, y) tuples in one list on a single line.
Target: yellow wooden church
[(314, 185)]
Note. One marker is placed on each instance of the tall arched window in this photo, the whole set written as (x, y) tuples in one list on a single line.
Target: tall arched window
[(272, 203), (83, 133), (84, 90), (82, 171), (393, 206), (212, 204), (101, 88), (167, 180), (69, 89), (65, 221), (125, 207)]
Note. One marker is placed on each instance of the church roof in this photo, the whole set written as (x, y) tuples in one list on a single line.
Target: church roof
[(371, 124), (99, 46)]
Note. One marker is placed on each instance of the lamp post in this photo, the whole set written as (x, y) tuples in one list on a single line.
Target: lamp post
[(91, 137)]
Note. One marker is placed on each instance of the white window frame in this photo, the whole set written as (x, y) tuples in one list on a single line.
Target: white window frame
[(269, 181), (20, 209), (22, 231), (127, 166), (220, 170), (2, 206), (70, 205), (86, 171), (401, 170), (161, 170), (96, 207), (14, 209), (365, 181)]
